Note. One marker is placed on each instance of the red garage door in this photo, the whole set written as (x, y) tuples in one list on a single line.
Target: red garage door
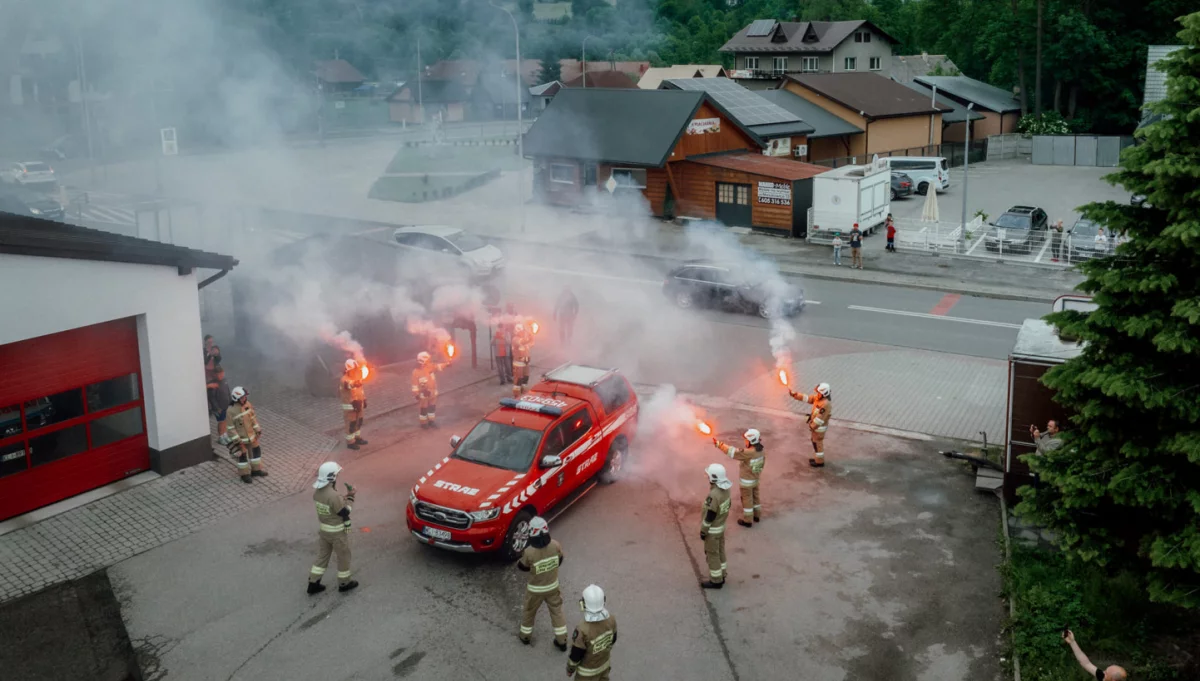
[(71, 415)]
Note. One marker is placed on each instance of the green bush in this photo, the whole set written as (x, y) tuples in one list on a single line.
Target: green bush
[(1049, 123)]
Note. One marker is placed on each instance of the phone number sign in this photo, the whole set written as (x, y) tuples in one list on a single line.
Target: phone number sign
[(774, 193)]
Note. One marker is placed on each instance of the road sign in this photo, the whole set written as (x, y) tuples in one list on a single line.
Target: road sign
[(170, 146)]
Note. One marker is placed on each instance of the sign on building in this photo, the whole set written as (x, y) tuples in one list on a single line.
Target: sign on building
[(704, 126), (774, 193), (781, 146), (170, 146)]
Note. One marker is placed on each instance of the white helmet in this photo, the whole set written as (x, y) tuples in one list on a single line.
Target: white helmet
[(326, 474), (237, 393), (592, 604), (716, 475), (519, 328), (351, 365), (538, 526), (752, 436), (422, 358), (823, 388)]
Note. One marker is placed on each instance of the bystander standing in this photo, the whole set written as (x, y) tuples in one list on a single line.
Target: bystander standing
[(856, 247), (1112, 673), (891, 233), (1048, 441), (215, 385), (1101, 242), (837, 248), (1056, 241)]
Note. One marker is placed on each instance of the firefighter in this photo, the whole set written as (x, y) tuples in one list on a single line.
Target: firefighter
[(424, 388), (541, 559), (818, 420), (354, 403), (333, 537), (522, 344), (244, 431), (593, 639), (500, 354), (750, 466), (712, 526)]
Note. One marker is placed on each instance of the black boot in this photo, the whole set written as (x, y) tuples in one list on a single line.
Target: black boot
[(526, 641), (347, 586), (351, 445), (561, 646), (816, 464), (433, 424), (315, 588), (246, 478), (712, 585), (360, 441), (743, 523), (258, 473), (756, 519)]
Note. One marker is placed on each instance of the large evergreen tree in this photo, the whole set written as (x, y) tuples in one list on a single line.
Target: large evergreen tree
[(1124, 490)]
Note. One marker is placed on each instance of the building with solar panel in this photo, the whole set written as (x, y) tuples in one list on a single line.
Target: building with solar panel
[(785, 133), (767, 50)]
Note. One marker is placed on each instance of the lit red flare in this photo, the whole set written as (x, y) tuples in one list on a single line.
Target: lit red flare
[(365, 372), (535, 327), (704, 428), (450, 350), (783, 376)]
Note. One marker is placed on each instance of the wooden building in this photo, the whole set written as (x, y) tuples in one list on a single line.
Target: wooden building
[(679, 150)]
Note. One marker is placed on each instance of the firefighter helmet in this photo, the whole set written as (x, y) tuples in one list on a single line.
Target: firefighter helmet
[(519, 328), (716, 475), (823, 388), (351, 365), (237, 393), (327, 473), (538, 526), (422, 358), (592, 604), (752, 436)]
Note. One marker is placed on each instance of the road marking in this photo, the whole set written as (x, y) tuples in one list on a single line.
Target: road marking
[(1042, 253), (608, 277), (922, 315), (977, 242), (948, 301)]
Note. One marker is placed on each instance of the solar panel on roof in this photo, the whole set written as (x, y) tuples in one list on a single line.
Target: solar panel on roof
[(748, 107), (760, 28)]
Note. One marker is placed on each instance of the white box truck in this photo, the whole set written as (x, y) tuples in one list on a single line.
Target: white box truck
[(850, 194)]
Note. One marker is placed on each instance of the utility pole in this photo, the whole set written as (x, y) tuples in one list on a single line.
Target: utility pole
[(520, 119), (962, 232)]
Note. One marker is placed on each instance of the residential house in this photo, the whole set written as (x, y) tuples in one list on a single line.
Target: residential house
[(907, 67), (570, 69), (542, 94), (784, 133), (338, 75), (415, 103), (609, 79), (1000, 108), (496, 96), (653, 77), (678, 150), (831, 137), (954, 122), (1156, 82), (767, 50), (893, 117)]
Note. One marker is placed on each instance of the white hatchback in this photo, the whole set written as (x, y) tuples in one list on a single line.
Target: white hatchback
[(453, 245), (29, 173)]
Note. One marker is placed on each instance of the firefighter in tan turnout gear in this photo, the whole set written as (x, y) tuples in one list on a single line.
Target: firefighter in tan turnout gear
[(424, 389), (243, 431), (593, 639), (750, 466), (522, 346), (712, 525), (333, 514), (354, 403), (818, 420), (541, 559)]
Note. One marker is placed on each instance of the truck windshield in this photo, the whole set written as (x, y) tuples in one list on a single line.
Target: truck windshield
[(499, 445)]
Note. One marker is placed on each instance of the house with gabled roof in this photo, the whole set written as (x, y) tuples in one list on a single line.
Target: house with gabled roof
[(1000, 108), (767, 50)]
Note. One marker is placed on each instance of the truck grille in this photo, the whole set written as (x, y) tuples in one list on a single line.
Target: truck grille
[(440, 515)]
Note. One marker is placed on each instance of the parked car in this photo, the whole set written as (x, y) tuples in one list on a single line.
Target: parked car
[(925, 171), (530, 456), (29, 173), (1084, 245), (1018, 229), (20, 200), (1139, 201), (902, 185), (709, 284), (453, 247)]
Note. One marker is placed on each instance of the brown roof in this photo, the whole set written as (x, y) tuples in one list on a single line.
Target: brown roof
[(769, 166), (570, 69), (868, 93), (788, 36), (338, 71), (609, 79), (466, 71)]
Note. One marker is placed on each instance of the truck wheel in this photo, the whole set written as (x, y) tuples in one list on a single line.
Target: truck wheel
[(518, 537), (614, 463), (923, 188)]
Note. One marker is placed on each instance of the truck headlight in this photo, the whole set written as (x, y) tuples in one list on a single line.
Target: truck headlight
[(412, 498), (486, 514)]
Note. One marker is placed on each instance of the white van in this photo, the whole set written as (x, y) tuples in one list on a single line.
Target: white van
[(926, 171)]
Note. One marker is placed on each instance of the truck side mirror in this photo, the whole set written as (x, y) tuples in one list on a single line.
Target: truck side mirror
[(454, 440), (551, 461)]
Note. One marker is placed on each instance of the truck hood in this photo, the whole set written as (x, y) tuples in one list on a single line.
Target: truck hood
[(466, 486)]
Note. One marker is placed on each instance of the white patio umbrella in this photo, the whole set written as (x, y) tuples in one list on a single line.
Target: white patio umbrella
[(929, 213)]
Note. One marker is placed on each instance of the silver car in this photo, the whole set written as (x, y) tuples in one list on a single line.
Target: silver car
[(454, 247), (29, 173)]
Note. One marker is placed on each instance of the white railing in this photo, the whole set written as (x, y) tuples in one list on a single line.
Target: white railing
[(941, 237)]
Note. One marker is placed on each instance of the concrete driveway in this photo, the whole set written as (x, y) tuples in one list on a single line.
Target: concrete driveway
[(879, 566)]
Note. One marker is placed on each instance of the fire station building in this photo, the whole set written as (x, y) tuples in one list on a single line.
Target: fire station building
[(101, 371), (679, 149)]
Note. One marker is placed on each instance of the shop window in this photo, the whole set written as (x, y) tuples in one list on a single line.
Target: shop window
[(562, 173), (12, 458), (112, 393), (10, 421), (116, 427), (58, 444), (629, 178), (46, 411)]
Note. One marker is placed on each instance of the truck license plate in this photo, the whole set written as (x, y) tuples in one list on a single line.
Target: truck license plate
[(435, 533)]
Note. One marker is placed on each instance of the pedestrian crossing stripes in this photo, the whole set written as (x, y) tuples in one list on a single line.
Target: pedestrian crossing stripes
[(108, 214)]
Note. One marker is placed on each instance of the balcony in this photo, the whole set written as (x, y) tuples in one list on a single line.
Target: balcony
[(769, 74)]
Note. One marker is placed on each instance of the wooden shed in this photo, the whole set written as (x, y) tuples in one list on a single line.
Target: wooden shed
[(679, 149)]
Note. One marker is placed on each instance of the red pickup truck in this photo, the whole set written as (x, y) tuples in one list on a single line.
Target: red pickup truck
[(535, 453)]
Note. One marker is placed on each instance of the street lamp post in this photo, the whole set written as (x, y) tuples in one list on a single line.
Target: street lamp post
[(962, 232), (520, 118), (583, 58)]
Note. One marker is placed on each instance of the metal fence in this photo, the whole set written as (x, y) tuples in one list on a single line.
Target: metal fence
[(1078, 150), (1009, 145), (951, 151)]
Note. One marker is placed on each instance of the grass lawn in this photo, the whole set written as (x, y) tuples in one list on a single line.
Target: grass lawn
[(452, 158), (1110, 614)]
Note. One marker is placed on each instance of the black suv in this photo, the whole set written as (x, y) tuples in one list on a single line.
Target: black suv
[(710, 284), (902, 184), (23, 201), (1019, 229)]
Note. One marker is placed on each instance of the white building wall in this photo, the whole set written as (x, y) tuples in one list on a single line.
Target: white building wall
[(42, 296)]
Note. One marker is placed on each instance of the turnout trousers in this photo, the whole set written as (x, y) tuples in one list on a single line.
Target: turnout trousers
[(714, 555), (533, 603), (328, 544)]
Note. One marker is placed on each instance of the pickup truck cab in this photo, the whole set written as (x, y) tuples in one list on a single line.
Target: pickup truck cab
[(533, 454)]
